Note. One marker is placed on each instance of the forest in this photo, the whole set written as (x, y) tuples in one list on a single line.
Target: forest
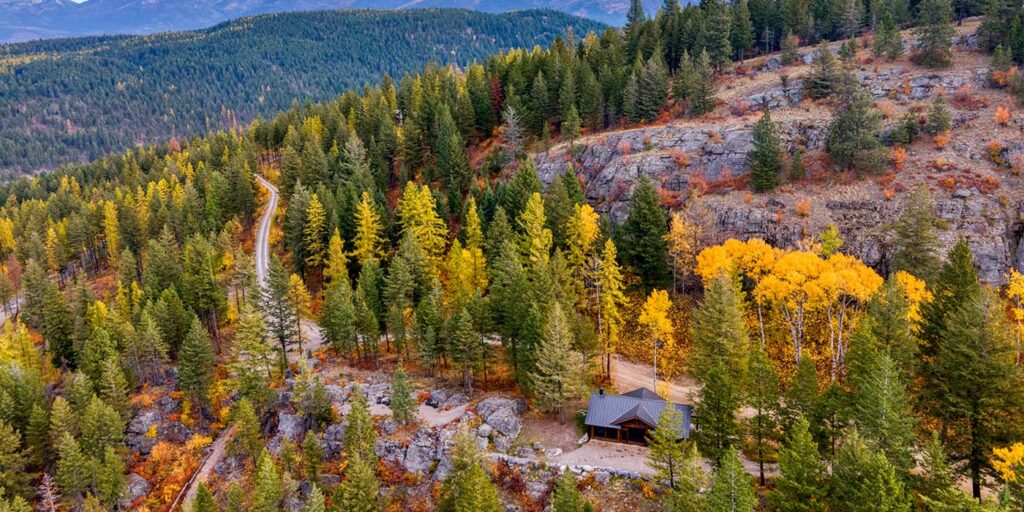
[(73, 100), (417, 233)]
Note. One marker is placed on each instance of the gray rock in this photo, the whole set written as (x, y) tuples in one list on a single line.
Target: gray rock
[(333, 442), (135, 487), (962, 193), (503, 415), (390, 451), (289, 426), (337, 394), (485, 430), (602, 477), (772, 64), (421, 453)]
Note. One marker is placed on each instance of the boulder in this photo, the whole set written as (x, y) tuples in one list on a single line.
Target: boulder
[(337, 394), (502, 414), (421, 453), (290, 426), (389, 451), (135, 487), (333, 442), (485, 430)]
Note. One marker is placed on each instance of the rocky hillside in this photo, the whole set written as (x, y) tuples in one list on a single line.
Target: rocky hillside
[(975, 197)]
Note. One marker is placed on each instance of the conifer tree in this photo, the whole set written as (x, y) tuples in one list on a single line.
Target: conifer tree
[(267, 486), (468, 486), (801, 488), (968, 383), (203, 502), (316, 502), (368, 231), (101, 427), (683, 82), (691, 482), (315, 234), (336, 264), (109, 481), (467, 346), (719, 43), (668, 456), (643, 236), (653, 89), (742, 32), (732, 489), (853, 134), (611, 300), (73, 469), (790, 42), (558, 375), (282, 318), (763, 397), (631, 98), (113, 388), (312, 456), (248, 440), (338, 317), (915, 240), (702, 96), (403, 405), (719, 401), (360, 437), (566, 497), (359, 491), (822, 80), (881, 408), (766, 157), (934, 33), (13, 463), (804, 394), (196, 364), (719, 331), (310, 397), (254, 361), (862, 480), (939, 117)]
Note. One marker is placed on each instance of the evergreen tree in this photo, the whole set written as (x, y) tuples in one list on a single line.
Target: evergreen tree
[(804, 394), (862, 480), (742, 32), (73, 469), (702, 96), (338, 317), (248, 440), (732, 490), (719, 402), (360, 437), (968, 384), (13, 463), (643, 237), (934, 33), (566, 497), (888, 40), (451, 158), (113, 388), (203, 502), (853, 134), (196, 364), (360, 490), (559, 373), (914, 237), (253, 362), (766, 157), (653, 89), (801, 488), (316, 502), (282, 318), (668, 456), (939, 117), (719, 24), (881, 408), (790, 42), (109, 481), (267, 486), (312, 456), (763, 397), (821, 81), (468, 486), (101, 428), (403, 405)]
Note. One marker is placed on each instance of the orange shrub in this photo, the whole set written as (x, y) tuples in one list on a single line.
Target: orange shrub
[(995, 152), (887, 108), (948, 184), (624, 148), (681, 157), (1003, 116), (748, 197), (803, 207), (715, 137), (889, 193), (941, 140), (898, 157)]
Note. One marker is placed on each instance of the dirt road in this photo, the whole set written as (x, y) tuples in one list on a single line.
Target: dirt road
[(217, 452), (628, 375)]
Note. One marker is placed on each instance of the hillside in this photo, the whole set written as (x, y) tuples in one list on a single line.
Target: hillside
[(75, 99), (24, 20)]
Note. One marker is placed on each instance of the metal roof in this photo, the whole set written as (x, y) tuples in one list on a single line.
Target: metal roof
[(609, 411)]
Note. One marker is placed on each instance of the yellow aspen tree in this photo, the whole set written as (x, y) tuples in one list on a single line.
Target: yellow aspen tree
[(54, 251), (536, 239), (6, 237), (846, 284), (466, 273), (915, 290), (336, 266), (111, 231), (611, 300), (417, 211), (654, 316), (793, 287), (1015, 292), (581, 231), (299, 298), (367, 240), (683, 240), (315, 232), (474, 233)]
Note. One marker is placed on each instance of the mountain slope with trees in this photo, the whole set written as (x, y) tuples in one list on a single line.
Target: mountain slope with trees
[(73, 100)]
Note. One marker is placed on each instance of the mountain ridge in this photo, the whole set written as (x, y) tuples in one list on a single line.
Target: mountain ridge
[(26, 20)]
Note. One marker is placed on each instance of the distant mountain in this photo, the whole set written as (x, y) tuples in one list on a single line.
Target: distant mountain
[(66, 100), (24, 20)]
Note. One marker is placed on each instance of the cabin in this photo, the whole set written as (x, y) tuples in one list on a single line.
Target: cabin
[(627, 418)]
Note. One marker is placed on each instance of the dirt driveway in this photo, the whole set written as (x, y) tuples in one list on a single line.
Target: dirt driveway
[(628, 375), (627, 457)]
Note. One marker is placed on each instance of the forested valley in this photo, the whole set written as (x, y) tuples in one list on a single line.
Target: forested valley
[(429, 302)]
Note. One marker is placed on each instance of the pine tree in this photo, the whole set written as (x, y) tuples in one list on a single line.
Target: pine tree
[(763, 397), (316, 502), (853, 134), (368, 239), (668, 455), (801, 488), (719, 330), (934, 33), (282, 318), (109, 481), (862, 480), (915, 240), (702, 96), (558, 375), (968, 383), (13, 462), (822, 80), (467, 346), (742, 31), (101, 427), (360, 437), (881, 409), (196, 363), (294, 226), (468, 486), (113, 388), (939, 117), (73, 471), (804, 394), (766, 157), (719, 402), (403, 404), (643, 236), (248, 440), (719, 23), (732, 490), (203, 502), (312, 456), (631, 98), (451, 157), (338, 317), (790, 43), (691, 482), (254, 362), (571, 127), (653, 89), (267, 487), (566, 497), (888, 40), (310, 397), (359, 491)]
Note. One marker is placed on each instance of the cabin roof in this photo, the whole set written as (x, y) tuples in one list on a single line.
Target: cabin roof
[(644, 405)]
